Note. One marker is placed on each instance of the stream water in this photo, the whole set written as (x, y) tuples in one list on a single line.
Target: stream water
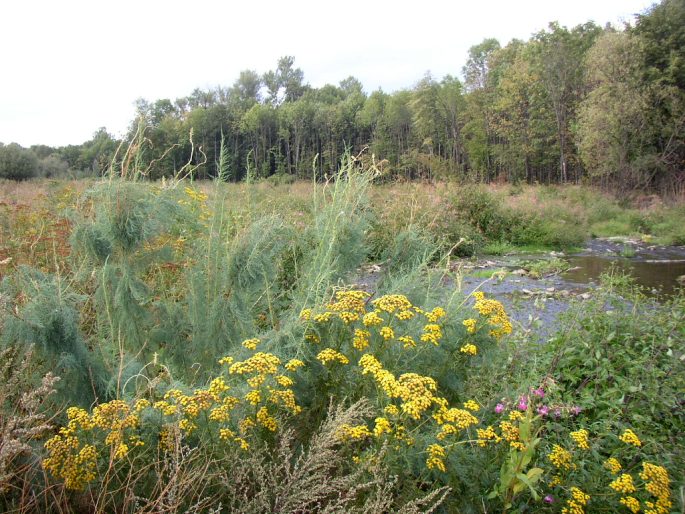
[(537, 303)]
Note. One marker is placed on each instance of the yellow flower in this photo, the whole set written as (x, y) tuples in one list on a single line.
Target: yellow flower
[(226, 360), (434, 315), (629, 437), (575, 504), (361, 339), (387, 333), (486, 435), (392, 302), (260, 362), (226, 434), (472, 405), (470, 325), (251, 344), (632, 503), (372, 319), (495, 314), (254, 397), (623, 484), (293, 364), (382, 426), (612, 465), (581, 439), (469, 349), (432, 333), (284, 381), (244, 445), (408, 341), (330, 355), (392, 410), (560, 458), (354, 432), (436, 456), (349, 301), (658, 484), (266, 420)]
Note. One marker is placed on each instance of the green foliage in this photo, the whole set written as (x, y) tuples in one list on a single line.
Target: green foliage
[(47, 320), (17, 163)]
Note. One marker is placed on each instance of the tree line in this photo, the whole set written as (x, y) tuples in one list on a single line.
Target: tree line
[(590, 103)]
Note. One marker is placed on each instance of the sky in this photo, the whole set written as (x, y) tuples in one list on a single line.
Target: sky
[(70, 67)]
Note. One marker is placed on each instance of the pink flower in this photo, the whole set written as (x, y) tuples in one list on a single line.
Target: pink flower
[(499, 408), (575, 410), (539, 392), (543, 410), (548, 499), (523, 403)]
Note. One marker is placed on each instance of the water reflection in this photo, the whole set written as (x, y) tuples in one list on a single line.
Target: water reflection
[(654, 275)]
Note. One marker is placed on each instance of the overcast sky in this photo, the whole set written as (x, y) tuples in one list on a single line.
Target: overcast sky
[(70, 67)]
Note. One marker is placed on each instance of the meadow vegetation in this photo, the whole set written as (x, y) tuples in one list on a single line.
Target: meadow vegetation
[(204, 347)]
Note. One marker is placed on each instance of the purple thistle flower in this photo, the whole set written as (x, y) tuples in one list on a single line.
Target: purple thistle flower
[(543, 410), (575, 410), (523, 403), (548, 499), (499, 408), (539, 392)]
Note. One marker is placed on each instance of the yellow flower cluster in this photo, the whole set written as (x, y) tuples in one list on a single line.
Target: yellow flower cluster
[(436, 457), (260, 362), (371, 319), (469, 349), (631, 503), (349, 301), (392, 302), (284, 381), (470, 325), (434, 315), (560, 458), (432, 333), (472, 405), (612, 465), (658, 484), (460, 418), (75, 462), (495, 313), (293, 364), (266, 420), (286, 398), (392, 410), (197, 200), (353, 432), (575, 504), (511, 434), (382, 426), (580, 437), (629, 437), (330, 355), (387, 333), (623, 484), (69, 461), (416, 392), (361, 339), (251, 344), (487, 435), (407, 341)]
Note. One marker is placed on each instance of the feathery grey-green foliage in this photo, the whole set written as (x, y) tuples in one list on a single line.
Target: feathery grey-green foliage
[(48, 321)]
